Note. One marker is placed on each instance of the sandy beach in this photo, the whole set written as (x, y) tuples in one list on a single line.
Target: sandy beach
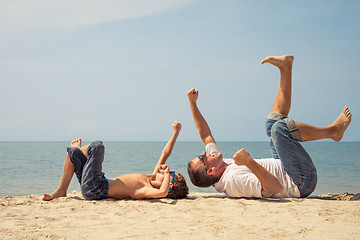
[(200, 216)]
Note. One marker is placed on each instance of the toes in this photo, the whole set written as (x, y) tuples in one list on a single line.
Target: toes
[(347, 112), (46, 197), (76, 142), (265, 60)]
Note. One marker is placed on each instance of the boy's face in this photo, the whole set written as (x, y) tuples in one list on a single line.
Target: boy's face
[(172, 179), (160, 178)]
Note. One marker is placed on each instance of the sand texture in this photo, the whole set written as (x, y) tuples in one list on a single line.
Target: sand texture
[(201, 216)]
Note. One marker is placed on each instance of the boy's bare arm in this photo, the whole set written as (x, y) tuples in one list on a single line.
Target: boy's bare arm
[(200, 122), (166, 152), (151, 192)]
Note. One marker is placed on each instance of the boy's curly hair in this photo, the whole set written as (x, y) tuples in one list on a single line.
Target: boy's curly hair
[(180, 188)]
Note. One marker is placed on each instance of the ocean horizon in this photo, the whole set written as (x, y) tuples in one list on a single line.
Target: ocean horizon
[(35, 167)]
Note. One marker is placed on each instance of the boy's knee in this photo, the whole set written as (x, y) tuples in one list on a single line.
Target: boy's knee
[(74, 151), (96, 146)]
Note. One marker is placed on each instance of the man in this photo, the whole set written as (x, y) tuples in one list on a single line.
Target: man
[(87, 161), (289, 173)]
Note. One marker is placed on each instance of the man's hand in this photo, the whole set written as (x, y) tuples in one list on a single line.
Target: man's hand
[(242, 157), (176, 126), (270, 185), (193, 95)]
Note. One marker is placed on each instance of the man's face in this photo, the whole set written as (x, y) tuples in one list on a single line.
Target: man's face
[(206, 162)]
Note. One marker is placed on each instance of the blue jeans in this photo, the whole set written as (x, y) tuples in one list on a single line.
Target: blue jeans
[(285, 145), (94, 185)]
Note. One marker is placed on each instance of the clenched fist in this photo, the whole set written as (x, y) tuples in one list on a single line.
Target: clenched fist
[(176, 126), (193, 95), (164, 168), (242, 157)]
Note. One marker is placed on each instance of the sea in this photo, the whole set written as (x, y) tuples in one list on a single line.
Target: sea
[(34, 168)]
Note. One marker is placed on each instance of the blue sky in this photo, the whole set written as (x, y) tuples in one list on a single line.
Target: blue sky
[(120, 70)]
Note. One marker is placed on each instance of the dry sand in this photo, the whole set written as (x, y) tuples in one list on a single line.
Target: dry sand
[(201, 216)]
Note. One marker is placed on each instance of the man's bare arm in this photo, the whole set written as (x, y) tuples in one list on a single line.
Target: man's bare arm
[(200, 122), (166, 152), (269, 183)]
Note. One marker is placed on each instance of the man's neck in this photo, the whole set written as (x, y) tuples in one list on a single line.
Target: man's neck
[(221, 168)]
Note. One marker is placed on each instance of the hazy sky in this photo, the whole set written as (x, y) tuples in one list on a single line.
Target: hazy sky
[(120, 70)]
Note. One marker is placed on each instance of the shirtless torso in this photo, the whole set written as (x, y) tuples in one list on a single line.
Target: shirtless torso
[(136, 186)]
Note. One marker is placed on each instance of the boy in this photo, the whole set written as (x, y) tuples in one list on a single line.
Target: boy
[(86, 162)]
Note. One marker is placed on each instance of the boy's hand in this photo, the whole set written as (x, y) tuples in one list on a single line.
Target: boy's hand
[(165, 168), (193, 95), (176, 126), (242, 157)]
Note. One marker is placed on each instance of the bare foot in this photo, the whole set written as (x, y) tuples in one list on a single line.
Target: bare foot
[(76, 143), (341, 123), (282, 62), (55, 194)]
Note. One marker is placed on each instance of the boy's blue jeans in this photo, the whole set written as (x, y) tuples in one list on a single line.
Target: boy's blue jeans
[(94, 185), (284, 145)]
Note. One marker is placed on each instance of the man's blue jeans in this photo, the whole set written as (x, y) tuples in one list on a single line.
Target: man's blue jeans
[(94, 185), (285, 145)]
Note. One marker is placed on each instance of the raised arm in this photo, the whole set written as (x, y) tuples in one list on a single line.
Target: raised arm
[(200, 122), (269, 183), (166, 152)]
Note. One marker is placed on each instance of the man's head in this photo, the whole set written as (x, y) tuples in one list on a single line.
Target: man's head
[(204, 169), (179, 189)]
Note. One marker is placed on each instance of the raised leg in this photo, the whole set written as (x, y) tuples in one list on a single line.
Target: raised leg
[(335, 131), (94, 185), (282, 102), (84, 150), (67, 174)]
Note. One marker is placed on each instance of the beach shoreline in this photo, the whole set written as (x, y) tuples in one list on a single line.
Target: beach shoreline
[(200, 216)]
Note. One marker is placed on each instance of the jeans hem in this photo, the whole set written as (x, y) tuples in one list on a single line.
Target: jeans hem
[(291, 124)]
